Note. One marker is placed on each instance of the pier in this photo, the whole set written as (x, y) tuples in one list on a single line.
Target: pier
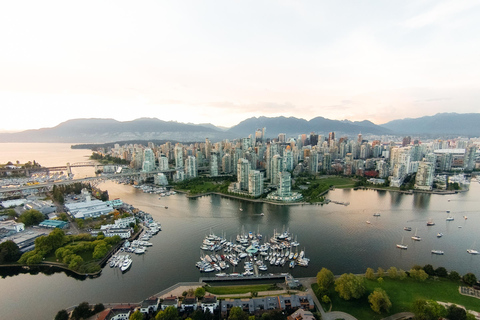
[(272, 276)]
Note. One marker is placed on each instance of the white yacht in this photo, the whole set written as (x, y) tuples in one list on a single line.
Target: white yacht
[(126, 264)]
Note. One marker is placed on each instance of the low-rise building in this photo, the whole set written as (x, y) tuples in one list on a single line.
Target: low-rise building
[(189, 303), (210, 303), (170, 301), (150, 305)]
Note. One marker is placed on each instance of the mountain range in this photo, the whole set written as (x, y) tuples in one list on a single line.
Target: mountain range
[(110, 130)]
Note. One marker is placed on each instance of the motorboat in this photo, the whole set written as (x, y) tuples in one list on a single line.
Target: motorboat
[(376, 214), (126, 264), (407, 228), (430, 223), (439, 235), (292, 264), (439, 252)]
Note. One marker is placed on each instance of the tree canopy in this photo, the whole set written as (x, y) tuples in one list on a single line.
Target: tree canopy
[(469, 279), (200, 292), (350, 286), (370, 274), (236, 313), (137, 315), (325, 278), (31, 217), (379, 300), (428, 310), (170, 313), (9, 252)]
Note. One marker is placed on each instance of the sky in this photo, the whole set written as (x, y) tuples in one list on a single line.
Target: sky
[(223, 61)]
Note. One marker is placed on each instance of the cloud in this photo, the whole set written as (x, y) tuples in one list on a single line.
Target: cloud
[(439, 13)]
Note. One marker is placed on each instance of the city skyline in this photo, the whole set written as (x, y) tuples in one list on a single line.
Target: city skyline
[(224, 62)]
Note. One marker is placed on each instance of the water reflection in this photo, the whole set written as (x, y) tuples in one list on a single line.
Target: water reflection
[(421, 200)]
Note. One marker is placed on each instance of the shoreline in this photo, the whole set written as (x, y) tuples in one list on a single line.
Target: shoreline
[(407, 192)]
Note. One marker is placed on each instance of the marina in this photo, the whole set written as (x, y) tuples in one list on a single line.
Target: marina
[(249, 251)]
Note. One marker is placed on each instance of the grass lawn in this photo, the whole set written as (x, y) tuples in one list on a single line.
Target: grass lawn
[(338, 182), (240, 289), (402, 294)]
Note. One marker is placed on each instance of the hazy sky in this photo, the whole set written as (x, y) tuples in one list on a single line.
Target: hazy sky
[(223, 61)]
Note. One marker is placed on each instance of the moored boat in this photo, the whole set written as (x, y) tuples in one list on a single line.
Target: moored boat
[(439, 252)]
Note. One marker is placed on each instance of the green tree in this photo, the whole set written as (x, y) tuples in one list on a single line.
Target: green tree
[(428, 310), (418, 275), (63, 216), (62, 315), (236, 313), (75, 262), (370, 274), (428, 268), (380, 272), (350, 286), (80, 223), (470, 279), (456, 313), (325, 279), (402, 275), (441, 272), (392, 272), (170, 313), (99, 307), (200, 292), (379, 300), (137, 315), (31, 217), (100, 250), (82, 311), (326, 299), (9, 252), (454, 276)]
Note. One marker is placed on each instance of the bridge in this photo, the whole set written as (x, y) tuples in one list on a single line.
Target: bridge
[(48, 186)]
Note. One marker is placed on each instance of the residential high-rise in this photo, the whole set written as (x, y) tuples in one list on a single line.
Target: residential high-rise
[(148, 163), (255, 183), (276, 167), (285, 184), (214, 164), (424, 177), (227, 163), (469, 159), (191, 170), (162, 163), (178, 155), (243, 169)]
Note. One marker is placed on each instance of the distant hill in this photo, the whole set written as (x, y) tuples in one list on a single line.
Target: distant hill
[(442, 123), (109, 130), (294, 126)]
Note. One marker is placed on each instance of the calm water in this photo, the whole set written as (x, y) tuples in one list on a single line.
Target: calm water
[(334, 236)]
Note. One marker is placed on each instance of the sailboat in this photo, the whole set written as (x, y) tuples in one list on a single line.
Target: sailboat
[(473, 251), (430, 223), (415, 237), (402, 246)]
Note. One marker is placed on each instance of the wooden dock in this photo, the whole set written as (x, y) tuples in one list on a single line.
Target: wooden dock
[(244, 278)]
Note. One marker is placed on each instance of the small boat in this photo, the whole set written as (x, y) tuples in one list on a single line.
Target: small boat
[(439, 252), (407, 228), (430, 223), (460, 226), (402, 246), (465, 217), (448, 211), (126, 264), (368, 222), (439, 235), (262, 214), (221, 275), (450, 218), (241, 209), (292, 264), (415, 237), (376, 214), (473, 251)]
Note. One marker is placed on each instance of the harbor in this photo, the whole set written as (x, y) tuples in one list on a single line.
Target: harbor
[(249, 251)]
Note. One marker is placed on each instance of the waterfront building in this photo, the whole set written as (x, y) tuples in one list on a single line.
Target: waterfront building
[(214, 164), (160, 179), (162, 162), (255, 183), (424, 177), (90, 208), (276, 167), (150, 305), (243, 169), (191, 170), (169, 301), (469, 158), (284, 190), (189, 304), (148, 160), (178, 156), (288, 163), (179, 175), (313, 162), (210, 303), (227, 163)]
